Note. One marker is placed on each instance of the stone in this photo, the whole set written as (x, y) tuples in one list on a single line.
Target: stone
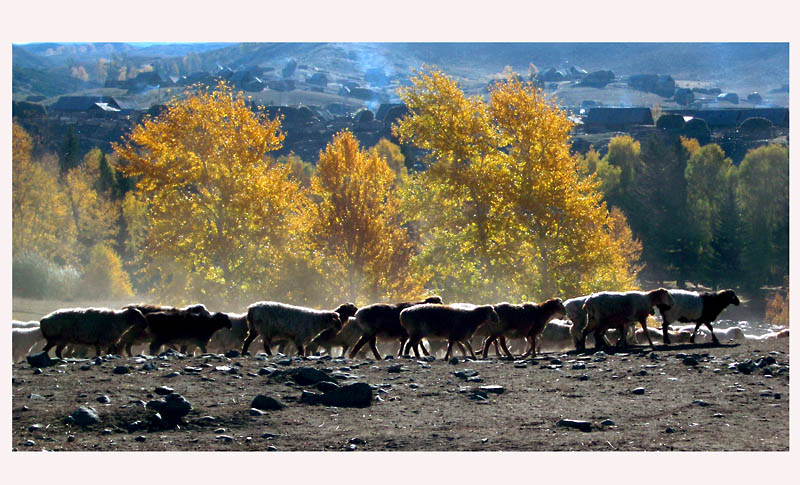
[(638, 391), (584, 426), (172, 374), (700, 403), (232, 354), (357, 441), (394, 369), (466, 373), (85, 416), (225, 438), (266, 403), (266, 371), (306, 376), (453, 361), (325, 386), (493, 389), (354, 395), (140, 438), (164, 390), (121, 369), (42, 359), (284, 362), (578, 366), (256, 412), (690, 361), (35, 427), (103, 399), (669, 429), (308, 397), (607, 422), (171, 408)]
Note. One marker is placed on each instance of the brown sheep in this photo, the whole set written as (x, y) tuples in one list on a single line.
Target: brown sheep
[(383, 320), (184, 327), (443, 321), (140, 335)]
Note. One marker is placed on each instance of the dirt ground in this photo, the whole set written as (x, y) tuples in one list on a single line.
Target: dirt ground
[(691, 397)]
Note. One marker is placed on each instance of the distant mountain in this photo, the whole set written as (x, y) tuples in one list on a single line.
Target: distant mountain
[(732, 66)]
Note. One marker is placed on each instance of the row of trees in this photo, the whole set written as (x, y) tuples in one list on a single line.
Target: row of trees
[(703, 218), (500, 213), (503, 210)]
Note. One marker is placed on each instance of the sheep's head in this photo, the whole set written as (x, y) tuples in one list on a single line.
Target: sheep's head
[(433, 299), (554, 308), (198, 309), (730, 297), (662, 299), (334, 321), (345, 311), (134, 317), (221, 320)]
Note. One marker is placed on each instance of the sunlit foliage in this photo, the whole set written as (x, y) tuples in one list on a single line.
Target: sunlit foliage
[(503, 209), (219, 211)]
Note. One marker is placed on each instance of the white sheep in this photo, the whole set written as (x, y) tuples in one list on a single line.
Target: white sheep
[(701, 308), (299, 324), (557, 335), (97, 327), (226, 339), (19, 324), (23, 339), (609, 309), (344, 338), (577, 315)]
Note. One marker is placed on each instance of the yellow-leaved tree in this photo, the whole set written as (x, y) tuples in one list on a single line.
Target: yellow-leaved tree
[(505, 213), (39, 206), (221, 214), (356, 226)]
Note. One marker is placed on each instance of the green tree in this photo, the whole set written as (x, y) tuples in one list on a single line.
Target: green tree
[(69, 150), (706, 179), (762, 193)]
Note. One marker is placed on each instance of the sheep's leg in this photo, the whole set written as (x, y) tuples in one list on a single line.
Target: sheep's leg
[(417, 343), (486, 344), (424, 350), (696, 327), (469, 346), (449, 349), (97, 350), (155, 345), (373, 345), (402, 344), (268, 345), (59, 349), (665, 331), (47, 346), (361, 341), (251, 335), (505, 347), (299, 346), (713, 337), (647, 334)]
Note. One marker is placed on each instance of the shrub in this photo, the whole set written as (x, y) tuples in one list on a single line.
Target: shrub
[(756, 128), (33, 276), (671, 122), (104, 276), (697, 128)]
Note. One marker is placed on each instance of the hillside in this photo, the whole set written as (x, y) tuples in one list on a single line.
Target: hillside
[(740, 67)]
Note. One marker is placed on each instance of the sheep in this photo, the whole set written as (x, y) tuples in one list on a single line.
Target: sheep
[(615, 309), (344, 338), (300, 325), (18, 324), (226, 339), (345, 311), (521, 321), (184, 327), (577, 315), (23, 339), (452, 323), (383, 320), (98, 327), (140, 335), (556, 335), (700, 308), (681, 336)]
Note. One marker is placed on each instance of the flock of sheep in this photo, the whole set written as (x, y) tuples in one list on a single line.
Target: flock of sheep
[(602, 317)]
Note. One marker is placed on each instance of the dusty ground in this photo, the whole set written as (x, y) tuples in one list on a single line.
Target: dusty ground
[(708, 406)]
